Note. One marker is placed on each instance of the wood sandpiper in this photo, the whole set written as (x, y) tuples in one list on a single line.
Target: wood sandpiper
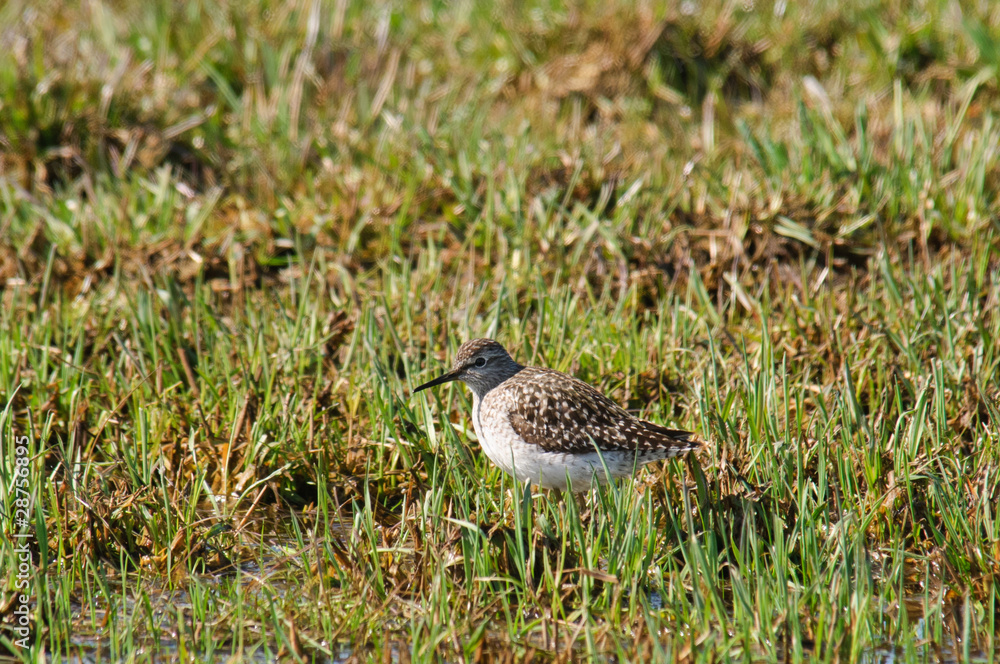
[(543, 426)]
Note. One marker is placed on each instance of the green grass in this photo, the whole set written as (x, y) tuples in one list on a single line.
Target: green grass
[(234, 238)]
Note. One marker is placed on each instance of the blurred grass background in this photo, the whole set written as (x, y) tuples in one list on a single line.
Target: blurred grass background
[(234, 235)]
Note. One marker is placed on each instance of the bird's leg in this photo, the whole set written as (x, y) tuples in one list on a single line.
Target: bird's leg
[(583, 507)]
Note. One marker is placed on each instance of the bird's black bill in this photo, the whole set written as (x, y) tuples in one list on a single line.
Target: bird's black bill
[(446, 378)]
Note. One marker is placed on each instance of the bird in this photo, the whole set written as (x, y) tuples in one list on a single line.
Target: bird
[(550, 429)]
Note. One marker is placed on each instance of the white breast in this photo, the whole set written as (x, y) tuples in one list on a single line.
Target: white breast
[(493, 440)]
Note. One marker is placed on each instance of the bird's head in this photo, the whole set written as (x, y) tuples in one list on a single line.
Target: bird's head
[(482, 364)]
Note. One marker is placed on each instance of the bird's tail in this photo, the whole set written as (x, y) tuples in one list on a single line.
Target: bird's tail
[(671, 442)]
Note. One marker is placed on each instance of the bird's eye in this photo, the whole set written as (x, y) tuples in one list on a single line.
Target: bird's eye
[(480, 361)]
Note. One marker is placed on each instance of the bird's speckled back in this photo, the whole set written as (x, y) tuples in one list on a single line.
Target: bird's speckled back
[(560, 413)]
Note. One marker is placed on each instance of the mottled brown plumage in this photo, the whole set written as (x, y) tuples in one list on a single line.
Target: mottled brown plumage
[(550, 428), (560, 413)]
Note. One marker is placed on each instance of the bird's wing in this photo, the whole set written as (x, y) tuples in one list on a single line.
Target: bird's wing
[(559, 413)]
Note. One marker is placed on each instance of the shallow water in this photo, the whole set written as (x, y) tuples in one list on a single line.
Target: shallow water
[(269, 533)]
